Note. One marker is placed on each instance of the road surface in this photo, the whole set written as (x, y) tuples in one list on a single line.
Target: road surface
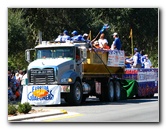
[(131, 110)]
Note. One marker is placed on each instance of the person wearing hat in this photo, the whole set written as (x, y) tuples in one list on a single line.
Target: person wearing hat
[(116, 43), (65, 36), (136, 59), (147, 62), (85, 39), (74, 35)]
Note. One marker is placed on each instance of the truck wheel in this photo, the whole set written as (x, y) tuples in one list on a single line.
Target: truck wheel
[(111, 91), (75, 96), (117, 91)]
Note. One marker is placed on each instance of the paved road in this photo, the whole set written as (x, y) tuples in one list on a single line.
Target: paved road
[(132, 110)]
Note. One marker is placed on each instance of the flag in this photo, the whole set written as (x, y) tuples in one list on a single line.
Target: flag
[(105, 26), (131, 33)]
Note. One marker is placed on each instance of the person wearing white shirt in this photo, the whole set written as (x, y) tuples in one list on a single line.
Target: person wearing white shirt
[(102, 40), (147, 63)]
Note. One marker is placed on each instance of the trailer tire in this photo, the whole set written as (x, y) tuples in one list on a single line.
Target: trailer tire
[(117, 91), (111, 92), (76, 94)]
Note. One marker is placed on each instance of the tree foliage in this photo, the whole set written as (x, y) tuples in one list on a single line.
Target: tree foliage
[(24, 24)]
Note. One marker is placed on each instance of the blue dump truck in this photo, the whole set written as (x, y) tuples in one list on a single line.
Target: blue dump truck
[(75, 70)]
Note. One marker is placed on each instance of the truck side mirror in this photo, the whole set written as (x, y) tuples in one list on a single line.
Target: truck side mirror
[(28, 55)]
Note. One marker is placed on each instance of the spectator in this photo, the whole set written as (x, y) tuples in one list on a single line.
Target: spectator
[(103, 43), (21, 76), (65, 36), (14, 95), (17, 79), (117, 43), (10, 93), (9, 75)]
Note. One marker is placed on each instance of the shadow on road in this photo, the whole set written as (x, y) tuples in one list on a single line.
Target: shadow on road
[(95, 101)]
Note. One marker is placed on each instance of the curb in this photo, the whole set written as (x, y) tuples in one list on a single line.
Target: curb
[(37, 115)]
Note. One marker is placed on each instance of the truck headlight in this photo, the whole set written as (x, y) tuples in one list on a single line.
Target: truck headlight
[(66, 80)]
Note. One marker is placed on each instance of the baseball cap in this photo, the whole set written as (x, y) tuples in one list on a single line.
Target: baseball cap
[(65, 32), (135, 49), (85, 34), (115, 33), (74, 32)]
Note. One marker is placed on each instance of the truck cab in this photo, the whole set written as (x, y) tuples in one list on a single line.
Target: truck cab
[(58, 64)]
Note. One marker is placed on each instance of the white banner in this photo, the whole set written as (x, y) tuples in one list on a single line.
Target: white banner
[(41, 94), (116, 58)]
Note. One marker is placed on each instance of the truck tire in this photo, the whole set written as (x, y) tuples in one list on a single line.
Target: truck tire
[(111, 91), (117, 91), (75, 95)]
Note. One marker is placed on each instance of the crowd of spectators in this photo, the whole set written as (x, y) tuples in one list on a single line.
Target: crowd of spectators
[(15, 86)]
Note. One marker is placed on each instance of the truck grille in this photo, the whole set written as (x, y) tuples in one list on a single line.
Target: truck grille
[(41, 76)]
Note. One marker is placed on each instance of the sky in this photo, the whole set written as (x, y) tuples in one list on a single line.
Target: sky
[(5, 4)]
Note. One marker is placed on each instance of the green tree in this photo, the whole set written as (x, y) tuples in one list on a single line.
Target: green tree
[(24, 24), (17, 39)]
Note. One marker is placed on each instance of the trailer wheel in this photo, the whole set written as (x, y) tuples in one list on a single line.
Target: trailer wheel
[(117, 91), (111, 91), (75, 96)]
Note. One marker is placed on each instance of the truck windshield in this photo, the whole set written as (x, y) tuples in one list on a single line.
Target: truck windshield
[(59, 52)]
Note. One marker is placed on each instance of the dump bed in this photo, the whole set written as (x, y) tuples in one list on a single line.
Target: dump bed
[(102, 63)]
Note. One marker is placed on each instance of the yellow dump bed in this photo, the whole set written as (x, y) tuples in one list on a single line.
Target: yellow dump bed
[(97, 65)]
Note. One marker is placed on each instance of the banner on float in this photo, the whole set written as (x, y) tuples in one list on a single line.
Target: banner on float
[(141, 74), (116, 58), (41, 95)]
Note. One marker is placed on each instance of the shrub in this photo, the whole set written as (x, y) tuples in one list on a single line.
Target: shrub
[(24, 108), (11, 109)]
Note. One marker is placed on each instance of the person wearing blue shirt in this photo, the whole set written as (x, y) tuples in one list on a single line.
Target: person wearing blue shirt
[(65, 36), (143, 57), (137, 59), (74, 35), (117, 42)]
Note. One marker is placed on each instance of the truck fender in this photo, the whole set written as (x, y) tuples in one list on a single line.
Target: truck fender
[(70, 74)]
